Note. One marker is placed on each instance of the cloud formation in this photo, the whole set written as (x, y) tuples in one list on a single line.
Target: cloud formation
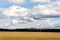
[(16, 1), (48, 11), (41, 1), (15, 11), (14, 15), (56, 25), (23, 14), (37, 13), (48, 24)]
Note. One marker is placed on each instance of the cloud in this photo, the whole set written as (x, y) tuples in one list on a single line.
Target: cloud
[(23, 14), (45, 24), (41, 1), (52, 24), (50, 10), (49, 22), (8, 23), (5, 23), (46, 11), (37, 13), (2, 9), (15, 11), (15, 22), (56, 25), (40, 25), (16, 1), (18, 15)]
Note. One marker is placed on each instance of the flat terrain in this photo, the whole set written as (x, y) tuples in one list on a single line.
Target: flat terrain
[(29, 35)]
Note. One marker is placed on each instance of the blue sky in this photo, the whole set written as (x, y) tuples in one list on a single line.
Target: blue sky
[(41, 14)]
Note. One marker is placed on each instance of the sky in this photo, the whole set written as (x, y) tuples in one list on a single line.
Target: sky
[(40, 14)]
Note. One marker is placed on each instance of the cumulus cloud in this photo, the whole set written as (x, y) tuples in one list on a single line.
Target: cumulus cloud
[(15, 11), (46, 11), (23, 14), (15, 22), (16, 1), (38, 12), (41, 1)]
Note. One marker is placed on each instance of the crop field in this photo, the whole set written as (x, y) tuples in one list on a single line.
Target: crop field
[(29, 36)]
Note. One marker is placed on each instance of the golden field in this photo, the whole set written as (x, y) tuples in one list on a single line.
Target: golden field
[(29, 36)]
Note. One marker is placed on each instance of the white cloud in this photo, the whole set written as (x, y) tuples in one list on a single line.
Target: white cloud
[(52, 8), (38, 12), (40, 25), (16, 1), (49, 22), (56, 25), (46, 24), (47, 11), (5, 23), (52, 24), (15, 11), (41, 1), (2, 9), (10, 11), (15, 22)]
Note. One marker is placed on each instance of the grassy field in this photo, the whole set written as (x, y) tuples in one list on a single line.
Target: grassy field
[(29, 36)]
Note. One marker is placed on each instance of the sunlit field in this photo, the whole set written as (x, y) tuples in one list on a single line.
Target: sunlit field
[(29, 36)]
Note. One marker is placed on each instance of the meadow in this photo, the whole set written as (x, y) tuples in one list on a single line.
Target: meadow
[(29, 36)]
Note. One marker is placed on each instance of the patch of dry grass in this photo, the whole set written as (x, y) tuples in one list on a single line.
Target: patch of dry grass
[(29, 36)]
